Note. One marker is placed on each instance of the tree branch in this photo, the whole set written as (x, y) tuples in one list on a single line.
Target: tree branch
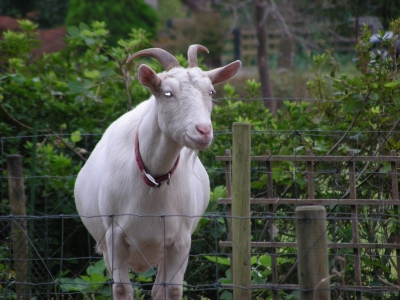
[(347, 131), (66, 144)]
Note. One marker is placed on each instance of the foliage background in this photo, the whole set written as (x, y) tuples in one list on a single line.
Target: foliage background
[(73, 95)]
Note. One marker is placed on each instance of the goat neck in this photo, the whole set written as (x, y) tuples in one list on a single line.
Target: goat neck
[(158, 151)]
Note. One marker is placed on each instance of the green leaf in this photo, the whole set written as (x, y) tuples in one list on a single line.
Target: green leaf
[(375, 97), (87, 33), (257, 277), (27, 25), (92, 74), (83, 26), (220, 260), (218, 192), (76, 87), (76, 137), (353, 105), (375, 110), (265, 260), (101, 32), (97, 268), (18, 78), (73, 285), (145, 276), (109, 101), (73, 31), (226, 295), (141, 278), (391, 84), (106, 73), (386, 167)]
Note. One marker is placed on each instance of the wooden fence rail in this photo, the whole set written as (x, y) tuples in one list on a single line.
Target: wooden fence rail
[(351, 200), (242, 44)]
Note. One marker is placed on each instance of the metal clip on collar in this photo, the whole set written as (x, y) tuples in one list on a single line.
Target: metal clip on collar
[(152, 180)]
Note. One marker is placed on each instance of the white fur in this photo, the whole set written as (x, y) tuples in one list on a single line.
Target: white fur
[(136, 226)]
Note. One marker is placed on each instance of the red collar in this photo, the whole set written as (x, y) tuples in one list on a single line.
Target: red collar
[(147, 178)]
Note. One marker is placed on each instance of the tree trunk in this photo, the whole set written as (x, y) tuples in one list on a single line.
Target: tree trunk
[(260, 8)]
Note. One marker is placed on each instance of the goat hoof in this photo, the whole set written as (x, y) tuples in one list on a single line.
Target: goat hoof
[(175, 293), (121, 293)]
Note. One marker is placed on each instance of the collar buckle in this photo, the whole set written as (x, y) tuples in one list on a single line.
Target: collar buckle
[(151, 179)]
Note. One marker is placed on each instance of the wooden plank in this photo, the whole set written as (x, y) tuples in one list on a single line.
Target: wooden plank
[(305, 158), (332, 287), (291, 201), (395, 196), (354, 222), (228, 184), (271, 210), (310, 177), (330, 245), (266, 286)]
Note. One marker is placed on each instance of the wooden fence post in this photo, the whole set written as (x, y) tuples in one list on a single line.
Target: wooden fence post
[(395, 196), (19, 232), (271, 209), (228, 183), (354, 222), (312, 253), (241, 229)]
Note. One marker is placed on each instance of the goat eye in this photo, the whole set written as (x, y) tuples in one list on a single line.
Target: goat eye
[(168, 94)]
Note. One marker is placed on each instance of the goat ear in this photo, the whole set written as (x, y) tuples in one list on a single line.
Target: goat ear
[(224, 73), (149, 78)]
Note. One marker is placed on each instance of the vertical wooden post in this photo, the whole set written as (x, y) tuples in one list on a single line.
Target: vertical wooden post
[(354, 223), (228, 181), (395, 196), (241, 211), (271, 209), (19, 232), (310, 177), (312, 253), (228, 184)]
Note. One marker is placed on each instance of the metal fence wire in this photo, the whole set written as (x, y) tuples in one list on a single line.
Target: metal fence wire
[(48, 254)]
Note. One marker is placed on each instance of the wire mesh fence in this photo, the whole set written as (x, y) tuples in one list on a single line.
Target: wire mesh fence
[(60, 258)]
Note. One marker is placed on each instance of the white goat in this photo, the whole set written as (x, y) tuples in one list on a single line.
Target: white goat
[(136, 221)]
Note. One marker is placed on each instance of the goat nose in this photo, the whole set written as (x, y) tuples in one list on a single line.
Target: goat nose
[(204, 129)]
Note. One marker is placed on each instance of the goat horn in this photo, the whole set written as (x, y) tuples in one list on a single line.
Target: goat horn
[(165, 58), (192, 54)]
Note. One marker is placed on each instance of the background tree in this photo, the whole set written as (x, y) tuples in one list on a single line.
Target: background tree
[(47, 13), (261, 13), (120, 16)]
